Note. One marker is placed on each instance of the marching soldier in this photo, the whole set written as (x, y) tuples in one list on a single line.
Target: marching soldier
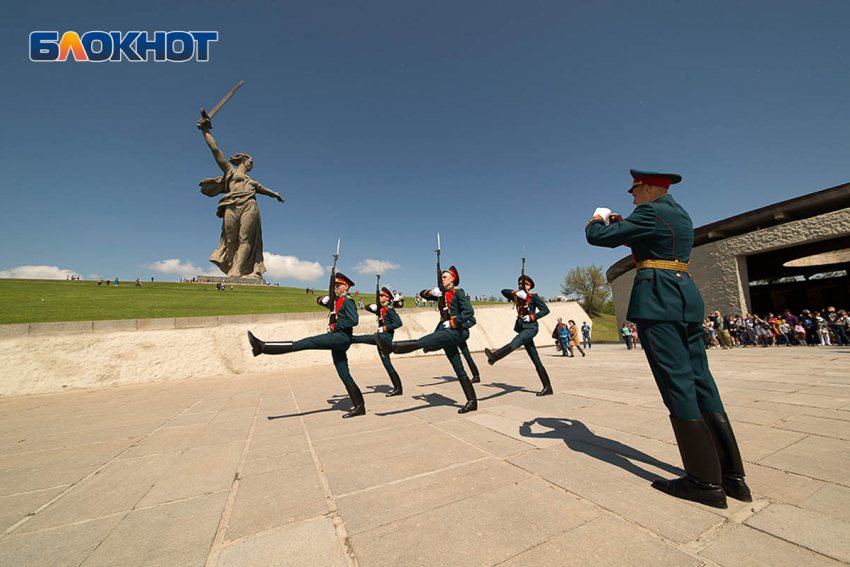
[(391, 322), (337, 339), (530, 307), (448, 334), (668, 309)]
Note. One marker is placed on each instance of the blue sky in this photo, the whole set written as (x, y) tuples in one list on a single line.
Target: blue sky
[(498, 124)]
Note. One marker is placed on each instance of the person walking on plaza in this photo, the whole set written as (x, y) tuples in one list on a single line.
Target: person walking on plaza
[(565, 341), (337, 339), (626, 333), (668, 309), (388, 322), (459, 318), (530, 307), (585, 335), (556, 334), (573, 333)]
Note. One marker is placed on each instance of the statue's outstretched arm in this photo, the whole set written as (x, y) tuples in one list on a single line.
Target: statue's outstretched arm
[(223, 164), (266, 191)]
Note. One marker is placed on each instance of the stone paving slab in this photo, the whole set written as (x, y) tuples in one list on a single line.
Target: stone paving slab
[(260, 470), (822, 534)]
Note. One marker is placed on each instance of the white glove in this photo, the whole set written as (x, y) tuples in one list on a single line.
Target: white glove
[(521, 294), (373, 308), (602, 212), (324, 300), (380, 329), (329, 330), (436, 292), (447, 324), (526, 318)]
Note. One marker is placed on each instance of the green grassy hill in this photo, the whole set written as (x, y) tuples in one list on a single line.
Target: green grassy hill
[(42, 301), (605, 328)]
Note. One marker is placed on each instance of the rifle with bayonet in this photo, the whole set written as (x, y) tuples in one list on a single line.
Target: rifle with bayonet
[(332, 287), (441, 302), (521, 305), (378, 301)]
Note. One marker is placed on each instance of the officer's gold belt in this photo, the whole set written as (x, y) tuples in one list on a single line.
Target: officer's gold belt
[(676, 266)]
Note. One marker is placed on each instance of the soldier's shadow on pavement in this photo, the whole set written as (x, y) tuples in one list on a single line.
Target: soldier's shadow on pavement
[(340, 404), (441, 400), (430, 400), (579, 438)]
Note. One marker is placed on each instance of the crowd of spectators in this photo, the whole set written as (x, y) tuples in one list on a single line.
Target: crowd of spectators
[(809, 328)]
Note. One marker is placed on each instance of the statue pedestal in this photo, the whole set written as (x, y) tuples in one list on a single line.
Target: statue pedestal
[(229, 280)]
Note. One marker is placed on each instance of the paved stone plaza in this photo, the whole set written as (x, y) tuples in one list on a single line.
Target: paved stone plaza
[(259, 469)]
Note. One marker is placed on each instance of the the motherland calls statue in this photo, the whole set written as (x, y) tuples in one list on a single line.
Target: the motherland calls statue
[(240, 252)]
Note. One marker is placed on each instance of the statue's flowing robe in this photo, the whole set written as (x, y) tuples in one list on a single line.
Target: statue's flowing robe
[(240, 250)]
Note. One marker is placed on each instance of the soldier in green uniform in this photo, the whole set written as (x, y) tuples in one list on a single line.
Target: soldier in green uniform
[(530, 308), (337, 339), (668, 310), (388, 322), (448, 335)]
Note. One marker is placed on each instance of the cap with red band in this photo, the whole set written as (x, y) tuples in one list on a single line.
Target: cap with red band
[(453, 271), (664, 180), (342, 278)]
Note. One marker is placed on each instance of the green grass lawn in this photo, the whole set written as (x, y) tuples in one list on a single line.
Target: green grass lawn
[(605, 328), (43, 301)]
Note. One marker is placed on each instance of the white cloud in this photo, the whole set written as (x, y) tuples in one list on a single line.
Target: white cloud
[(37, 273), (186, 270), (290, 267), (370, 266)]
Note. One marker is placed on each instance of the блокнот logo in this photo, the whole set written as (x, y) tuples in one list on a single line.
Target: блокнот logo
[(176, 46)]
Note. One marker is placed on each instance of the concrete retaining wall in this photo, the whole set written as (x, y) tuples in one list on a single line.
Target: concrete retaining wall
[(48, 357)]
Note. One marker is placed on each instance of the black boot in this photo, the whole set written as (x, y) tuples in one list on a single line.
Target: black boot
[(259, 347), (731, 464), (544, 378), (469, 392), (701, 482), (385, 344), (494, 357), (476, 377), (401, 347), (358, 406), (397, 390)]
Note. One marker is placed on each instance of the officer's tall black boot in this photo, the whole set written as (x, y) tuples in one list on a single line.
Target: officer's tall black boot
[(469, 392), (358, 406), (731, 464), (259, 347), (494, 357), (397, 390), (473, 369), (701, 482), (544, 378), (401, 347)]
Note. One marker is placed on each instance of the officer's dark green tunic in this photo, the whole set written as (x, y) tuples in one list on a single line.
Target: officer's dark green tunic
[(536, 307), (391, 322), (665, 304), (338, 340), (462, 317)]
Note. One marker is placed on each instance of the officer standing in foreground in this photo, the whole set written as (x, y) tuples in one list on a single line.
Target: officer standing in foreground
[(668, 309), (337, 340), (389, 322), (530, 307)]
